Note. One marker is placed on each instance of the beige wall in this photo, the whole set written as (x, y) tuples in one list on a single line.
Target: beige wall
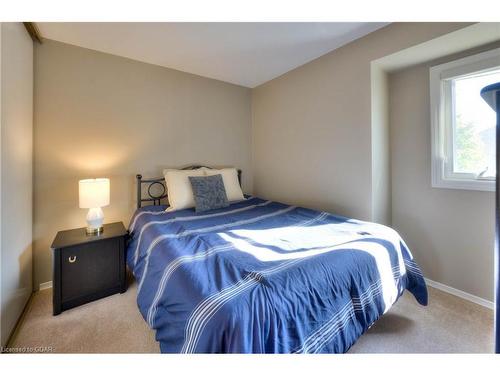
[(312, 141), (380, 152), (16, 155), (103, 115), (450, 232)]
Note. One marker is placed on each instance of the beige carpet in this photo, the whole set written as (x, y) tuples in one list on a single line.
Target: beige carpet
[(447, 325), (109, 325), (114, 324)]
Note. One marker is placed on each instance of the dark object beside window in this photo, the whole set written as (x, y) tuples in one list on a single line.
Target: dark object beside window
[(209, 192)]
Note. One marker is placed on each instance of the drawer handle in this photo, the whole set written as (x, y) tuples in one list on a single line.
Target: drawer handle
[(72, 259)]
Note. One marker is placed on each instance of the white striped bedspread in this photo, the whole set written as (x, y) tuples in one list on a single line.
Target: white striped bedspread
[(265, 277)]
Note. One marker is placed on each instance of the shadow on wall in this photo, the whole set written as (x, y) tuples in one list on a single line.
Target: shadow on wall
[(424, 242)]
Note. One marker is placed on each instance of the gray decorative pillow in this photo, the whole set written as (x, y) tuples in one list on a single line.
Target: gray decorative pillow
[(209, 192)]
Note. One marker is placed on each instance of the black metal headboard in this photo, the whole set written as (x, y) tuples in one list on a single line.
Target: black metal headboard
[(160, 183)]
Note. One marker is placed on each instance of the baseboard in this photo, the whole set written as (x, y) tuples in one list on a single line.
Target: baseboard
[(46, 285), (20, 320), (461, 294)]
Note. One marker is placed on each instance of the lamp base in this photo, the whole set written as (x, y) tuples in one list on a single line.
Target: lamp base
[(95, 218), (94, 231)]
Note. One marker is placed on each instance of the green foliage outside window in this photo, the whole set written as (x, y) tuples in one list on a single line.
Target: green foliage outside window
[(470, 155)]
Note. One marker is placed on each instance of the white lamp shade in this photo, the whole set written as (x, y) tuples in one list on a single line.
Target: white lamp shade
[(94, 192)]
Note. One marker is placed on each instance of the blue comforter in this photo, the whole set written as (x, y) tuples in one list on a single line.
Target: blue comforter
[(265, 277)]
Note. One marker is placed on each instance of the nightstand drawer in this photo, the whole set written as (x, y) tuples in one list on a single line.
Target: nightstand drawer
[(88, 268)]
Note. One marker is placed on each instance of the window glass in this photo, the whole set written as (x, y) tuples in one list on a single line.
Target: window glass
[(473, 122)]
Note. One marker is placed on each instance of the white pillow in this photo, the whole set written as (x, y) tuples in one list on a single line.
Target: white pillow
[(179, 190), (231, 183)]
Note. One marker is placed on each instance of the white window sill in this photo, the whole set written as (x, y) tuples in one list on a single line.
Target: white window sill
[(481, 185)]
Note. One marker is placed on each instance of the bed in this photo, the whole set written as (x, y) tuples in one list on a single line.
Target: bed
[(264, 277)]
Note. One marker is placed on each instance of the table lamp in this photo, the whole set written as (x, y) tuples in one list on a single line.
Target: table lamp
[(94, 194)]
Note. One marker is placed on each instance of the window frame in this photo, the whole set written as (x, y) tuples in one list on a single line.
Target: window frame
[(442, 120)]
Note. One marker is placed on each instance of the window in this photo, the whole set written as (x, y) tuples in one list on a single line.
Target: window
[(463, 125)]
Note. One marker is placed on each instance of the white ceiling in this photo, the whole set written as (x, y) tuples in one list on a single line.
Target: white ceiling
[(246, 54)]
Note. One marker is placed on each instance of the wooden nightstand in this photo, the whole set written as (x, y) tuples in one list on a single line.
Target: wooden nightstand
[(86, 267)]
